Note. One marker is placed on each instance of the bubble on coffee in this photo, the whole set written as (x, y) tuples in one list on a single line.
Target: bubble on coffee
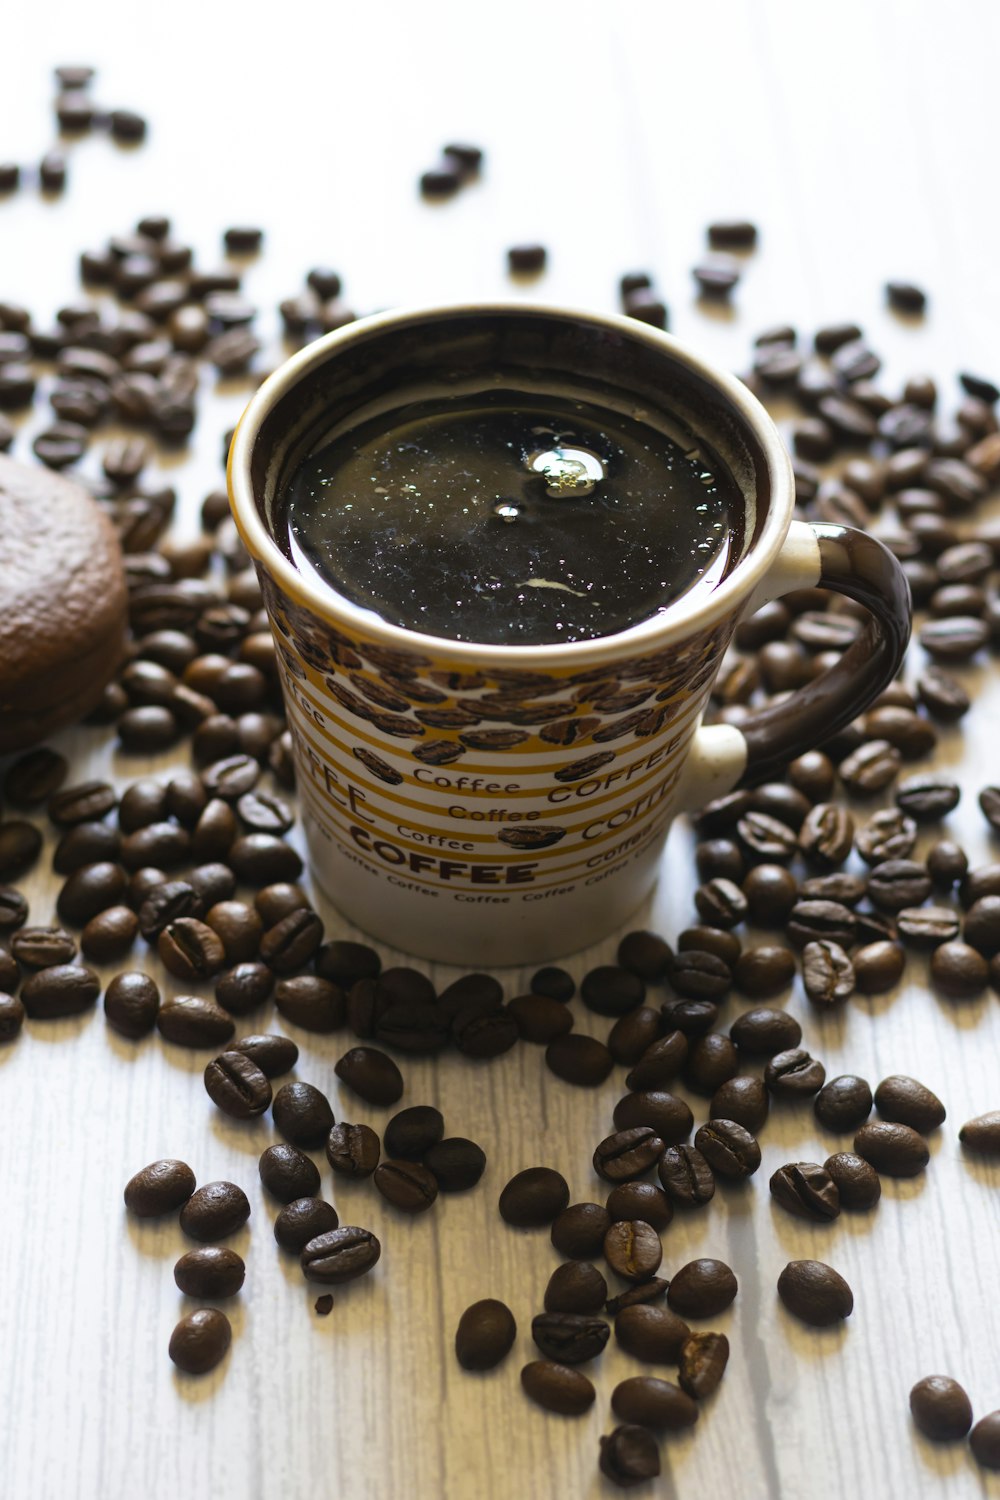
[(509, 518)]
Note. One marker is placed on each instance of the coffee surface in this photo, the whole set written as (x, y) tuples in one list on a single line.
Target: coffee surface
[(512, 520)]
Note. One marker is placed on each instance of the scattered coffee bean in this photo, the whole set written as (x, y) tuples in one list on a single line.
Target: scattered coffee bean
[(159, 1188), (984, 1441), (941, 1409), (575, 1287), (659, 1064), (827, 973), (579, 1230), (651, 1333), (649, 1402), (894, 1150), (794, 1074), (702, 1289), (340, 1255), (214, 1211), (273, 1055), (302, 1221), (878, 967), (815, 1292), (60, 990), (212, 1271), (629, 1454), (806, 1189), (557, 1388), (959, 970), (907, 1102), (844, 1103), (579, 1059), (485, 1335), (200, 1341), (632, 1249), (190, 1021), (534, 1197), (686, 1177), (302, 1114), (569, 1338), (729, 1149), (763, 1032), (742, 1099), (407, 1185), (457, 1164), (857, 1181), (288, 1173), (370, 1074), (702, 1363), (237, 1086), (982, 1135)]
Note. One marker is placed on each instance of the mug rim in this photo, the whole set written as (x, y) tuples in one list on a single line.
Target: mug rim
[(693, 611)]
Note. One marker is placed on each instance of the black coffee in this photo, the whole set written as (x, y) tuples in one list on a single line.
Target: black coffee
[(506, 519)]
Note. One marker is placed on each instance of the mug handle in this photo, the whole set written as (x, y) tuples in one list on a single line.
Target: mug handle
[(850, 562)]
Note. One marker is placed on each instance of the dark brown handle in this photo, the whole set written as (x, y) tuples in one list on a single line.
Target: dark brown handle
[(855, 564)]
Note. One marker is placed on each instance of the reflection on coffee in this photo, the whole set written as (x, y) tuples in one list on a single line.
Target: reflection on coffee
[(512, 518)]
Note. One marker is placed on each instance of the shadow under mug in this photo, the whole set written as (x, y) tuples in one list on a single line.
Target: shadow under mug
[(494, 804)]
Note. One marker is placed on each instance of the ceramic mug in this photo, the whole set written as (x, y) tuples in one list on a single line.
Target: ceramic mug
[(492, 804)]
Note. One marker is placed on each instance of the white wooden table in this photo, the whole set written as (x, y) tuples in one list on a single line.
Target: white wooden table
[(863, 141)]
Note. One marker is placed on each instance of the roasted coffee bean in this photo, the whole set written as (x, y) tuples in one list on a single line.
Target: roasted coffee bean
[(159, 1188), (686, 1176), (907, 1102), (940, 1408), (762, 1032), (570, 1338), (943, 696), (370, 1074), (214, 831), (237, 1086), (579, 1059), (927, 926), (89, 890), (702, 1289), (353, 1150), (640, 1200), (11, 1016), (702, 1363), (981, 926), (471, 989), (827, 973), (744, 1100), (826, 835), (632, 1249), (628, 1153), (165, 845), (340, 1255), (212, 1271), (654, 1334), (238, 927), (984, 1441), (666, 1114), (579, 1230), (200, 1341), (984, 880), (557, 1388), (816, 921), (641, 1293), (407, 1185), (244, 988), (959, 970), (982, 1135), (190, 1021), (612, 991), (412, 1132), (712, 1059), (541, 1020), (806, 1189), (645, 954), (719, 859), (476, 1033), (889, 835), (260, 859), (898, 883), (893, 1150), (693, 1018), (302, 1114), (343, 962), (288, 1173), (870, 768), (214, 1211), (34, 778), (947, 863), (953, 638), (659, 1063), (721, 903), (302, 1221), (771, 892), (730, 1150), (713, 940), (649, 1402), (856, 1180), (764, 971), (60, 990), (839, 885), (844, 1103), (575, 1287), (457, 1163), (13, 909), (534, 1197), (553, 982), (764, 837), (927, 796), (410, 986), (485, 1335), (39, 947), (108, 937), (273, 1055), (629, 1454), (131, 1004), (311, 1002), (815, 1292), (166, 902), (794, 1074), (878, 967), (700, 975)]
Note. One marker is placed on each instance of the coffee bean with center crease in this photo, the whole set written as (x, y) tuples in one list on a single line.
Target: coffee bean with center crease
[(575, 1287), (721, 903), (166, 903), (612, 991), (815, 1292), (942, 695), (632, 1249), (894, 1150), (534, 1197), (927, 796), (763, 1031), (814, 921), (653, 1403), (907, 1102), (806, 1189), (730, 1150), (190, 949), (457, 1163), (744, 1100), (693, 1018), (940, 1408), (627, 1154), (485, 1334), (898, 883), (302, 1221), (654, 1334), (927, 926), (288, 1173), (641, 1292), (131, 1004), (826, 835), (60, 990), (370, 1074), (214, 1211), (82, 803), (190, 1021), (629, 1454), (827, 973), (794, 1074), (714, 940), (292, 942), (659, 1064), (557, 1388), (200, 1341), (211, 1271), (959, 970), (856, 1179), (89, 890), (35, 777), (407, 1185), (870, 768), (159, 1188), (699, 975), (686, 1176), (982, 1134), (352, 1150), (579, 1059), (579, 1230), (888, 835), (273, 1055), (237, 1086), (302, 1114), (570, 1338), (340, 1255), (843, 1103), (955, 638), (40, 947), (702, 1363)]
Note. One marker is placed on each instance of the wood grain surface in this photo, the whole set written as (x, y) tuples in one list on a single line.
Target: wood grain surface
[(862, 138)]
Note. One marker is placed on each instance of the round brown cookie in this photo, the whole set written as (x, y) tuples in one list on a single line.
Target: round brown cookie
[(63, 603)]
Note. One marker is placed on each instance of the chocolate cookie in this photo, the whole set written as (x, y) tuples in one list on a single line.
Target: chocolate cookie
[(63, 603)]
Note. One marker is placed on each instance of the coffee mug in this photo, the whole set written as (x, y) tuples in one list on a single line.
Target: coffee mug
[(505, 804)]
